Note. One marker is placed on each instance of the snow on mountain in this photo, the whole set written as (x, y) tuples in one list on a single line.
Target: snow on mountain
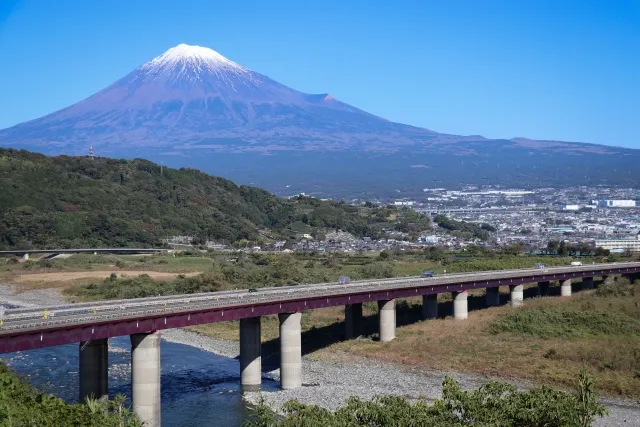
[(193, 57), (194, 65)]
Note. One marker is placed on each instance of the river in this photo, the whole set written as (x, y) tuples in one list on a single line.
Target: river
[(199, 388)]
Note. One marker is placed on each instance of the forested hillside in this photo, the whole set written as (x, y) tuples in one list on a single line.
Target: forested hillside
[(78, 201)]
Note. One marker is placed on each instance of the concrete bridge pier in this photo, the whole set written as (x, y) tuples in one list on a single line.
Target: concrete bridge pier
[(565, 288), (94, 364), (517, 295), (460, 307), (492, 297), (145, 377), (430, 306), (353, 320), (250, 354), (587, 283), (543, 289), (290, 350), (387, 318)]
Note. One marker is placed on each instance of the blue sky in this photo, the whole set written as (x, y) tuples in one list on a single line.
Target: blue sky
[(544, 69)]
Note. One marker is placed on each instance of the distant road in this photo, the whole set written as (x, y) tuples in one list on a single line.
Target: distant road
[(84, 251), (482, 210)]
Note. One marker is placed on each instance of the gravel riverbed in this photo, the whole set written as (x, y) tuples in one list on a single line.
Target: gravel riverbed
[(32, 298), (330, 384)]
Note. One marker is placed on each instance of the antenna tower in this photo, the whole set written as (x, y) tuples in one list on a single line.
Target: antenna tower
[(91, 152)]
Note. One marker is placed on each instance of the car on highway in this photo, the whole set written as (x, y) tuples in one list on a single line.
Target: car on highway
[(343, 280), (427, 273), (540, 266), (575, 263), (253, 290)]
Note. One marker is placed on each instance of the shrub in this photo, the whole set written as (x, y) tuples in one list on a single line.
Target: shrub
[(28, 265), (22, 405), (45, 263), (494, 404), (378, 270), (619, 288)]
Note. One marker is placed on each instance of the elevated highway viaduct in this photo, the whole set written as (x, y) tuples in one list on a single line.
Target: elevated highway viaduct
[(92, 324)]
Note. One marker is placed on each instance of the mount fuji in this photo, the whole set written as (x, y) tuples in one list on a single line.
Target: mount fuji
[(193, 107)]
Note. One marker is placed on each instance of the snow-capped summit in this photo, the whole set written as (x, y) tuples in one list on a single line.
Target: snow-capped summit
[(195, 56), (194, 64)]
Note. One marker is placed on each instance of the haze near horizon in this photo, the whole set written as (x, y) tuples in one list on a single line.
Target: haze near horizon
[(536, 69)]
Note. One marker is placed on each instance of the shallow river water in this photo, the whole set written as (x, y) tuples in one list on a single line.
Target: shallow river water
[(198, 388)]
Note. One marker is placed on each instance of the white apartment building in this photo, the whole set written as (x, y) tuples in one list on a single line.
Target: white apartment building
[(620, 244)]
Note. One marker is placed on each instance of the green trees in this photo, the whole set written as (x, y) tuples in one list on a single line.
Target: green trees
[(55, 202), (412, 222), (495, 404), (464, 229), (377, 270), (22, 405), (435, 253), (562, 249)]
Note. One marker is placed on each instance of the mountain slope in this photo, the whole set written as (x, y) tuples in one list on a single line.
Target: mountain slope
[(193, 107), (78, 202)]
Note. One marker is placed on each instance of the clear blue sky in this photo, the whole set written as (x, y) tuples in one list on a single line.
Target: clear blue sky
[(545, 69)]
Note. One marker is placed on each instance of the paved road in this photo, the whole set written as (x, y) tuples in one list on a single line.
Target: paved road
[(86, 314)]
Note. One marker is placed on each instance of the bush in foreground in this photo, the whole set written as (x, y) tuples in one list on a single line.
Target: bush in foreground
[(623, 287), (495, 404), (22, 405)]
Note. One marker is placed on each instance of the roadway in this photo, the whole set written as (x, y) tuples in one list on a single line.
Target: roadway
[(40, 327)]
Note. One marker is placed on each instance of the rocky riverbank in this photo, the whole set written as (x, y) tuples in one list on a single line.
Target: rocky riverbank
[(330, 383)]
